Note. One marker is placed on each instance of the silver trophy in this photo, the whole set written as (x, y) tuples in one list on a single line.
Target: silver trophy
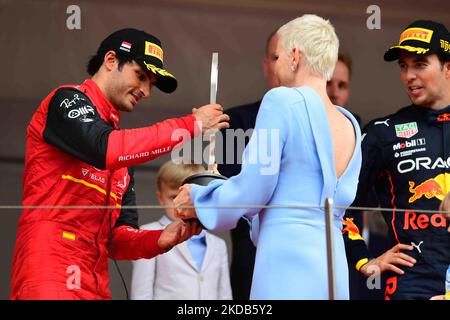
[(212, 174)]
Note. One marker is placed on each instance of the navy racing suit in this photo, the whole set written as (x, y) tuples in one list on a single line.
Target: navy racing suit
[(406, 162)]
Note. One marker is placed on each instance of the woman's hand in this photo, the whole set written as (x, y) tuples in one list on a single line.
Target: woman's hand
[(184, 209)]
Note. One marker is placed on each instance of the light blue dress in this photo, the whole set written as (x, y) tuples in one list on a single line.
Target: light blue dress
[(289, 161)]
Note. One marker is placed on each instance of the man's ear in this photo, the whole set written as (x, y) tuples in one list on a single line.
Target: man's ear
[(447, 69), (110, 60)]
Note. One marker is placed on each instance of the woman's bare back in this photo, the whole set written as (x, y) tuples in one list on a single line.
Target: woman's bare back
[(343, 136)]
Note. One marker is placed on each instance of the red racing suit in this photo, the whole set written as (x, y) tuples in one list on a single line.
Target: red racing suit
[(77, 156)]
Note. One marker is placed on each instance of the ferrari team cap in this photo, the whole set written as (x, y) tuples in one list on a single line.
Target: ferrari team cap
[(143, 48), (422, 37)]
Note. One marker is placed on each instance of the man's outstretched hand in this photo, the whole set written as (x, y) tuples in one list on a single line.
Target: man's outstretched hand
[(211, 118), (177, 232)]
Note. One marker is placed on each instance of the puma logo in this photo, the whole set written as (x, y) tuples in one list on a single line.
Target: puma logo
[(417, 246), (382, 122)]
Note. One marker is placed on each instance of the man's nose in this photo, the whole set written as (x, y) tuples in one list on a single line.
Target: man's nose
[(410, 74), (145, 91)]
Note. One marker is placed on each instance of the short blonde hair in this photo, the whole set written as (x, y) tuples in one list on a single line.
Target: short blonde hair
[(173, 174), (316, 39)]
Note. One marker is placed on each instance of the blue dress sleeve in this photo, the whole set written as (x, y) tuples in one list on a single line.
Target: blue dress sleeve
[(258, 178)]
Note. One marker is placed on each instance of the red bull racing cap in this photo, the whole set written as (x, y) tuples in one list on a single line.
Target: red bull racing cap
[(143, 48), (422, 37)]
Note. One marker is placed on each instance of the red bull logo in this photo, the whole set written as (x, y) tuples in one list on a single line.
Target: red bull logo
[(416, 221), (432, 188), (443, 117), (352, 229)]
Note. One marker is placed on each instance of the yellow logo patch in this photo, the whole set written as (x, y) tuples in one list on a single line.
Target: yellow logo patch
[(153, 50), (445, 45), (419, 34), (352, 229), (155, 70), (68, 235)]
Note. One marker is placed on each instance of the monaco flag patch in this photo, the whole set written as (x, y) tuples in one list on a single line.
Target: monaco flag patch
[(125, 46)]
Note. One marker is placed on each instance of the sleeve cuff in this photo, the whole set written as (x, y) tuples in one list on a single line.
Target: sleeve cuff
[(151, 243), (361, 262)]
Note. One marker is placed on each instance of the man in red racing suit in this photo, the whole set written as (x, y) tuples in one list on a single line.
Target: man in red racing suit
[(77, 156)]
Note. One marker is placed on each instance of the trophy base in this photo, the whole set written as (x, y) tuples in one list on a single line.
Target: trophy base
[(202, 179)]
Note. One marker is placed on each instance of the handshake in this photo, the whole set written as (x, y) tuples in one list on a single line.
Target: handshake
[(186, 224)]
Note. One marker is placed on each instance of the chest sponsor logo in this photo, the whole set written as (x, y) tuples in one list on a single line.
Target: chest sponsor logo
[(92, 176), (408, 144), (421, 163), (431, 188), (124, 184), (409, 153), (83, 111), (416, 221), (406, 130)]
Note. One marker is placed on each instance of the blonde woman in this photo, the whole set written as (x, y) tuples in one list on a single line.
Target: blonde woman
[(303, 150)]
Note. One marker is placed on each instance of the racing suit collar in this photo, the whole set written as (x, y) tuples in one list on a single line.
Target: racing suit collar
[(442, 115), (104, 103)]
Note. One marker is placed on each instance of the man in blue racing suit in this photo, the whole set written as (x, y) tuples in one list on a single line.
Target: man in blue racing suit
[(406, 161)]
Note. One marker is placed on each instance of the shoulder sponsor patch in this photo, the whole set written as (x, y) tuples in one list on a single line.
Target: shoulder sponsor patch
[(406, 130), (67, 103)]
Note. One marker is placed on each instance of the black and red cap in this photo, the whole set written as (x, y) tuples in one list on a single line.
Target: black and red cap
[(143, 48), (422, 37)]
